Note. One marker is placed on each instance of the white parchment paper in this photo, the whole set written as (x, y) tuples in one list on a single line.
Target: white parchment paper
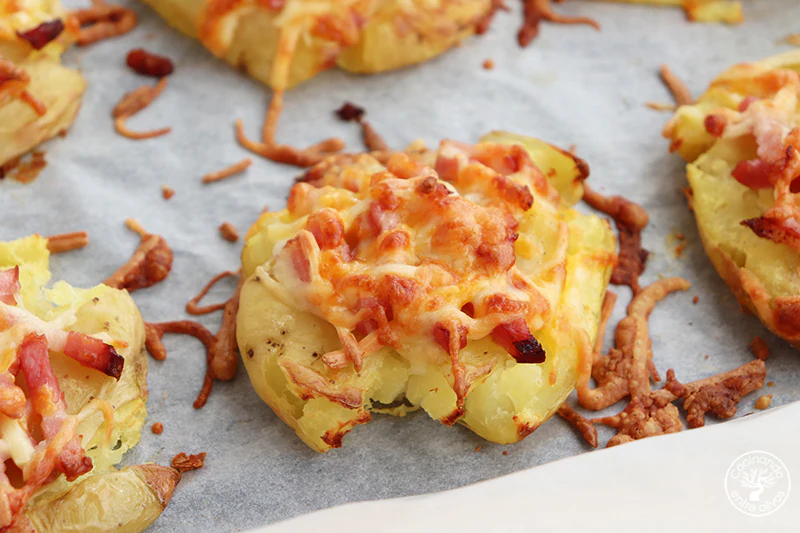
[(574, 85)]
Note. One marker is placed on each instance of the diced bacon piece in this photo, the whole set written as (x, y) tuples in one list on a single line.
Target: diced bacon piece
[(299, 259), (94, 353), (327, 228), (754, 173), (744, 104), (441, 334), (517, 339), (44, 391), (9, 285), (72, 460), (715, 125)]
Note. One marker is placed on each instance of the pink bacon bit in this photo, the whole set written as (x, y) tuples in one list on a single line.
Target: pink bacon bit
[(48, 401), (755, 173), (94, 353), (744, 104), (9, 285), (715, 125), (517, 339)]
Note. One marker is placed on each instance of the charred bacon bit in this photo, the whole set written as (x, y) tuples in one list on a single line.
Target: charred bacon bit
[(187, 463), (715, 124), (517, 339), (9, 285), (43, 34), (372, 139), (680, 92), (579, 422), (150, 263), (149, 64), (103, 21), (630, 219), (131, 104), (534, 11), (718, 394), (759, 348), (94, 353), (486, 21), (227, 172), (65, 242), (192, 306)]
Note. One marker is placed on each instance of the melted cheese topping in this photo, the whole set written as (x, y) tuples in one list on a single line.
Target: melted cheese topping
[(399, 256)]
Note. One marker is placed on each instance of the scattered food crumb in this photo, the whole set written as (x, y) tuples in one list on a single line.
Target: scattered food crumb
[(695, 299), (759, 348), (65, 242), (793, 39), (24, 171), (505, 452), (660, 106), (228, 232), (764, 401), (488, 64), (479, 448), (158, 428), (707, 356), (679, 250), (167, 192), (133, 102), (185, 463), (680, 92), (770, 384), (680, 236), (228, 171)]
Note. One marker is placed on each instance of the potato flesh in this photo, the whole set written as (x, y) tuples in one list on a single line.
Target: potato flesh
[(503, 406)]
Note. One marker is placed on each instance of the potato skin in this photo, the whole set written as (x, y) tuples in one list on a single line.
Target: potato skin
[(277, 341), (761, 273)]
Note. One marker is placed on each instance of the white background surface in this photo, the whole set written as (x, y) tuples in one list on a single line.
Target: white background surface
[(574, 85)]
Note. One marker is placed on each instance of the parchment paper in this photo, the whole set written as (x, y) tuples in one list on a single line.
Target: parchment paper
[(574, 85)]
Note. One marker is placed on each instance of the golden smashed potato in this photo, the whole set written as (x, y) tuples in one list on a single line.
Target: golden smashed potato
[(728, 11), (103, 406), (459, 281), (741, 141), (39, 98), (290, 43)]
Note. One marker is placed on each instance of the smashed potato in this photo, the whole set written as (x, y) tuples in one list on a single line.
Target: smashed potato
[(39, 98), (459, 281), (741, 140), (291, 42), (78, 356)]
